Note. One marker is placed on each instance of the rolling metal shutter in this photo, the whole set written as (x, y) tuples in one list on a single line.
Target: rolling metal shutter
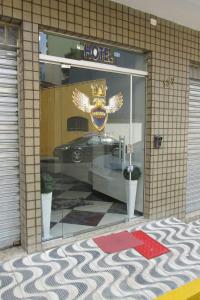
[(193, 168), (9, 150)]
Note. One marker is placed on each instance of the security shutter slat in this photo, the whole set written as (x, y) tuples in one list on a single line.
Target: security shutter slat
[(7, 100), (5, 90), (7, 208), (8, 173), (8, 108), (193, 170), (7, 81), (8, 182), (4, 118), (8, 146), (8, 62), (9, 150), (8, 72)]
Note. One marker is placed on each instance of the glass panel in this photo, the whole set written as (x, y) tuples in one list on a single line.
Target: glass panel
[(2, 34), (43, 43), (50, 80), (87, 166), (138, 119), (83, 50), (12, 35)]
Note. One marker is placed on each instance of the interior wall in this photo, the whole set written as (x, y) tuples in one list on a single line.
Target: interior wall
[(56, 107)]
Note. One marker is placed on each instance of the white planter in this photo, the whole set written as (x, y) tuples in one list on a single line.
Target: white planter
[(46, 214), (131, 190)]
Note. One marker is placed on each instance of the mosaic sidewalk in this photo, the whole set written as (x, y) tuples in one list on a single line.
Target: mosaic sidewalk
[(83, 271)]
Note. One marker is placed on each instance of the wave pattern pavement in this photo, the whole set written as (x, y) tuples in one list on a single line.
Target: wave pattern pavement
[(82, 271)]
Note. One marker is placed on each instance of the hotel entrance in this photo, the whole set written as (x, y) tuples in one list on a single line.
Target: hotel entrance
[(92, 128)]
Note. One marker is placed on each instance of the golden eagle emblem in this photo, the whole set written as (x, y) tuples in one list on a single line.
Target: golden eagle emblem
[(98, 110)]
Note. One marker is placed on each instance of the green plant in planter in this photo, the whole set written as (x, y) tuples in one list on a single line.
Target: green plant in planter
[(134, 171), (46, 183)]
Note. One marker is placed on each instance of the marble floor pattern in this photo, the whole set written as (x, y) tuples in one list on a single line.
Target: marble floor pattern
[(77, 208), (87, 217), (82, 271)]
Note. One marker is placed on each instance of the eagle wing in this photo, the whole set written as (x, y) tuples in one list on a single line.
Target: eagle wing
[(81, 101), (115, 103)]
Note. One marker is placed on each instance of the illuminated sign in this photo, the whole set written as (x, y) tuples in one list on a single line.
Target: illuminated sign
[(98, 53)]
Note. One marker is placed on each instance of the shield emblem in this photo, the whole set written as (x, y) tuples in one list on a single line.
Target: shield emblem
[(99, 117)]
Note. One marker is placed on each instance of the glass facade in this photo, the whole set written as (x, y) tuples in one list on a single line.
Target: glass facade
[(86, 116)]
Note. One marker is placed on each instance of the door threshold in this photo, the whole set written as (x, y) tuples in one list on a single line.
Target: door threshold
[(96, 232)]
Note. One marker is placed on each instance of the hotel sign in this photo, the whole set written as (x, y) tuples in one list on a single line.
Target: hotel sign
[(98, 109), (98, 53)]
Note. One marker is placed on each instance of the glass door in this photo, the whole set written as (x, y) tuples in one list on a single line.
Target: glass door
[(92, 128)]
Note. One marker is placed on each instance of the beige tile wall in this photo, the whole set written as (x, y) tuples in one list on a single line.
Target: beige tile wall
[(30, 137), (171, 49)]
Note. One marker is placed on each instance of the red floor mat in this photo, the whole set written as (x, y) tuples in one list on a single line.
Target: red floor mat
[(117, 242), (150, 248)]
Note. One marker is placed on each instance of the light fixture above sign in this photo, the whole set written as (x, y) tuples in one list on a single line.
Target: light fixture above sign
[(98, 53)]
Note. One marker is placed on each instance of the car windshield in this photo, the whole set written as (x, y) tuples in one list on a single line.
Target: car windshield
[(107, 140), (94, 140)]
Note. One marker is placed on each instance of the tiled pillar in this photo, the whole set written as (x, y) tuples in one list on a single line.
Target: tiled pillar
[(166, 167), (29, 138)]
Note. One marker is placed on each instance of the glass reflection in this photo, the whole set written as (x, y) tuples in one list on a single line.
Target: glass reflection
[(12, 35), (86, 163), (57, 45)]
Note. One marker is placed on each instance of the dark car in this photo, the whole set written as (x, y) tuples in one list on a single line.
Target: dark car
[(86, 148)]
